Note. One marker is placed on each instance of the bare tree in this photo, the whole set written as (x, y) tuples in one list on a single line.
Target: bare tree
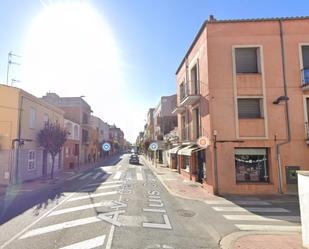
[(52, 138)]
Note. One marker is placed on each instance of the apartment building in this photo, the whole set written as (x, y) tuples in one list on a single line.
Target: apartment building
[(72, 145), (164, 122), (116, 136), (79, 111), (22, 116), (244, 86)]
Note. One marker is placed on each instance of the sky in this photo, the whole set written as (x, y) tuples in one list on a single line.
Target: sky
[(121, 55)]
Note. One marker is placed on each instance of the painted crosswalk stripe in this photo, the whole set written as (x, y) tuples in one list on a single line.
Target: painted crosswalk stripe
[(104, 183), (227, 202), (60, 226), (102, 187), (87, 244), (139, 176), (73, 177), (92, 196), (118, 175), (97, 175), (155, 210), (251, 209), (245, 227), (78, 208), (85, 176), (262, 218)]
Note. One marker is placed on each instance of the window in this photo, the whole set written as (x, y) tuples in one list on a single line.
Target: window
[(75, 132), (196, 121), (305, 69), (31, 160), (76, 149), (85, 118), (194, 79), (32, 118), (45, 118), (251, 165), (182, 91), (250, 108), (247, 60)]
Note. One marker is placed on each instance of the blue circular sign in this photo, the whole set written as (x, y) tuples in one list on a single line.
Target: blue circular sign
[(153, 146), (106, 147)]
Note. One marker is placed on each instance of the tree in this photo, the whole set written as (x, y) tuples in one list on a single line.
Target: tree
[(52, 138)]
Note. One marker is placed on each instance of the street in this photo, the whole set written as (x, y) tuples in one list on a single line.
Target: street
[(124, 207)]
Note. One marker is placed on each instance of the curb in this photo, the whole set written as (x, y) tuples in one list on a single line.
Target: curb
[(167, 188), (228, 242)]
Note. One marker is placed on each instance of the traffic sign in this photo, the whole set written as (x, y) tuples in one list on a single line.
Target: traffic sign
[(106, 146), (203, 142), (153, 146)]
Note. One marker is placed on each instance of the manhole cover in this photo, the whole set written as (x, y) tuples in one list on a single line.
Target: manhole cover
[(193, 185), (185, 213)]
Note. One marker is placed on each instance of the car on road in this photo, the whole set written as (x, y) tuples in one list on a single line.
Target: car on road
[(134, 159)]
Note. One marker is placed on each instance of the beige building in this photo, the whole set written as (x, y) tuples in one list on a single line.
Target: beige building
[(244, 85), (22, 116)]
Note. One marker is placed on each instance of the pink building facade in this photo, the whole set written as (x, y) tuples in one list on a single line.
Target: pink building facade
[(244, 85)]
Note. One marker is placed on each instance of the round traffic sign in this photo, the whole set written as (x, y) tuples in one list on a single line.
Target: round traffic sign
[(153, 146), (106, 147), (203, 142)]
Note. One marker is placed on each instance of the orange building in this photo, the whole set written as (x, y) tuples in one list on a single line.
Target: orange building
[(244, 85)]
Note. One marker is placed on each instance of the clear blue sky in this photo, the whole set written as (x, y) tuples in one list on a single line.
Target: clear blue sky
[(152, 36)]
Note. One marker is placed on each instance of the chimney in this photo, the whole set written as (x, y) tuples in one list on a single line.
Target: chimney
[(211, 18)]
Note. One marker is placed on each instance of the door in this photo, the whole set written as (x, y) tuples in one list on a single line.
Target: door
[(201, 162)]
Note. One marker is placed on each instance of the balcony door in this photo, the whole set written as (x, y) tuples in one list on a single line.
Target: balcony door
[(194, 80)]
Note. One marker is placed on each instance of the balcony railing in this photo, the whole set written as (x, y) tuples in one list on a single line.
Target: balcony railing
[(189, 93), (305, 78), (307, 132)]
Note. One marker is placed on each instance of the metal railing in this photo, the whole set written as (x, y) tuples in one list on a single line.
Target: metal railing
[(305, 76), (189, 88)]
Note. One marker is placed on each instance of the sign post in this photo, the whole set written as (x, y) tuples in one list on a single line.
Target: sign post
[(154, 147)]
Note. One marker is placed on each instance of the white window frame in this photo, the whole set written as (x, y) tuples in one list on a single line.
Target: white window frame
[(31, 160), (306, 114), (301, 63)]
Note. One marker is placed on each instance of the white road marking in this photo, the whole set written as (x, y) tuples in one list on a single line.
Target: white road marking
[(114, 220), (78, 208), (92, 196), (104, 183), (87, 244), (245, 227), (118, 167), (165, 225), (118, 175), (85, 176), (102, 187), (60, 226), (72, 177), (251, 209), (97, 175), (261, 218), (227, 202), (155, 210), (139, 176)]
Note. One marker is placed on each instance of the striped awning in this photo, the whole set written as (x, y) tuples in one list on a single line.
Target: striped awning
[(174, 150), (187, 151)]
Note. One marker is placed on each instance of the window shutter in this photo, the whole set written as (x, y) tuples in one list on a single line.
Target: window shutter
[(249, 108), (305, 52), (246, 60)]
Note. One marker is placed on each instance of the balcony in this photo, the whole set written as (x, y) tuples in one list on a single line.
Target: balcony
[(305, 79), (307, 132), (179, 110), (190, 94)]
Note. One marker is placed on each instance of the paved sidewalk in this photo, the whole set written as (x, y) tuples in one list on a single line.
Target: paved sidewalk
[(260, 240), (179, 186)]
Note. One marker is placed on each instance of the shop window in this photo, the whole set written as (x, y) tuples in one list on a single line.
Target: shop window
[(251, 165)]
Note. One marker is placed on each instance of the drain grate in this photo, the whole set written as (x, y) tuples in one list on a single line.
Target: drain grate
[(185, 213)]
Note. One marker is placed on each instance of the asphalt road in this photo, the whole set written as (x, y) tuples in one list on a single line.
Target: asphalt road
[(121, 206)]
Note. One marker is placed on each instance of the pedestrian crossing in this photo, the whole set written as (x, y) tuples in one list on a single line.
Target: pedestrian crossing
[(253, 214), (93, 205)]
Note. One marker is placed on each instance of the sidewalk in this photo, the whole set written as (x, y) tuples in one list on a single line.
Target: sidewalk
[(42, 183), (177, 185)]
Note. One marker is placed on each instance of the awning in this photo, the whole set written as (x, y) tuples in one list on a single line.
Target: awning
[(187, 151), (174, 150)]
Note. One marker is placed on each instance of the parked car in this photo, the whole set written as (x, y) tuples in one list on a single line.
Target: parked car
[(134, 159)]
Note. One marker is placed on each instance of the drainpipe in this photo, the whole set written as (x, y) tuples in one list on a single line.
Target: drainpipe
[(286, 111)]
